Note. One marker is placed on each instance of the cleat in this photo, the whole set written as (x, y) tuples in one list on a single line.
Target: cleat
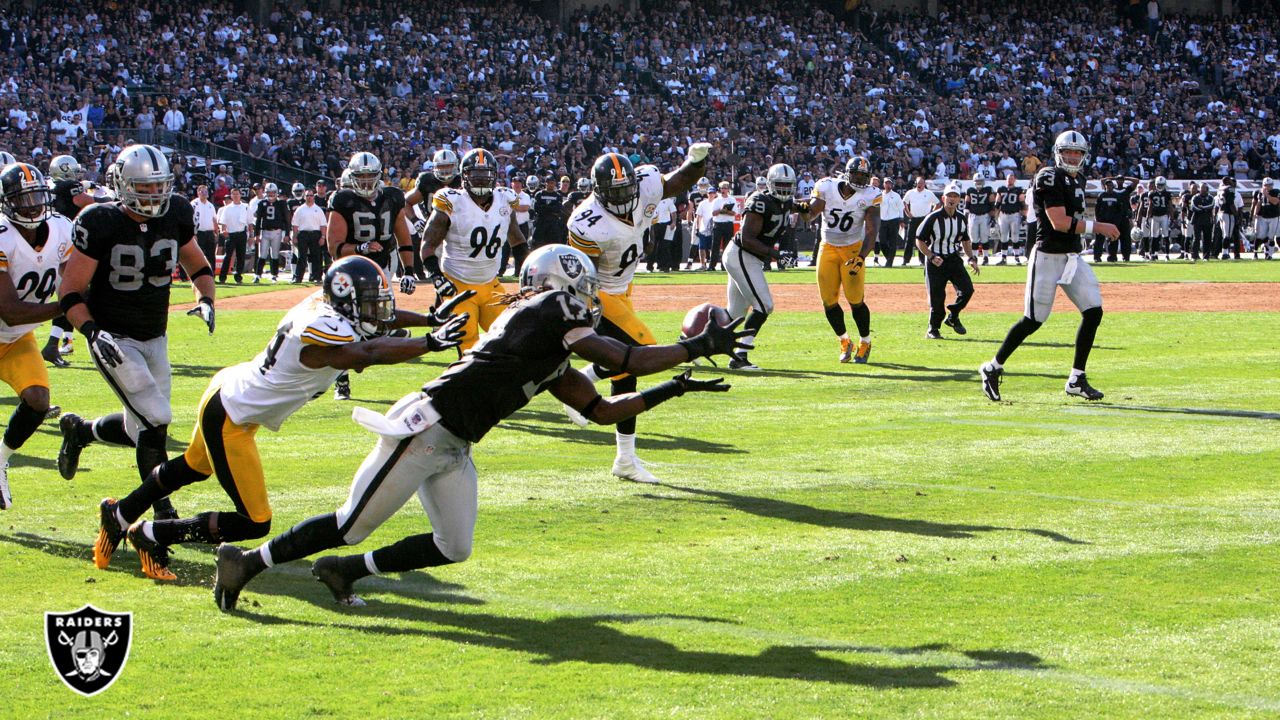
[(991, 381), (576, 417), (6, 497), (153, 556), (630, 468), (1080, 387), (846, 350), (53, 357), (863, 354), (69, 453), (932, 334), (109, 534), (163, 509), (233, 573), (68, 346), (328, 570), (739, 361), (342, 390), (953, 322), (53, 413)]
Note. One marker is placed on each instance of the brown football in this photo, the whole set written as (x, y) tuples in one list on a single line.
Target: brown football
[(695, 321)]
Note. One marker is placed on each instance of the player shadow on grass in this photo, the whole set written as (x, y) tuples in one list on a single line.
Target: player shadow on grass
[(295, 581), (593, 639), (841, 520), (1212, 412), (125, 560), (558, 426), (1039, 343), (175, 369)]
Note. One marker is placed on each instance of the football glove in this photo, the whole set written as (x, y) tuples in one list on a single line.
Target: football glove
[(204, 309), (448, 335), (103, 345), (688, 384), (716, 340), (408, 284), (443, 285), (698, 152), (441, 315)]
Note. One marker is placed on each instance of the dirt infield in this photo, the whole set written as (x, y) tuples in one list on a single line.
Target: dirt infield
[(1119, 297)]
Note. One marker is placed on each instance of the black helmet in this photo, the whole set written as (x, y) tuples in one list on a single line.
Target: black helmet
[(857, 172), (358, 290), (479, 171), (24, 195), (613, 180)]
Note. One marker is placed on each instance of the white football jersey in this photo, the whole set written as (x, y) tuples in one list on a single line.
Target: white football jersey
[(843, 218), (35, 273), (275, 384), (473, 244), (614, 243)]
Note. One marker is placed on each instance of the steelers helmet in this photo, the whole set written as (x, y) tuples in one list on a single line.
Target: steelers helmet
[(24, 195), (614, 182), (479, 172), (857, 172), (358, 290)]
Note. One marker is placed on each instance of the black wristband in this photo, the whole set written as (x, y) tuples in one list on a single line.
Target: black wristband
[(405, 248), (431, 264), (626, 359), (66, 302), (661, 393), (201, 273), (591, 407), (89, 329), (1074, 224)]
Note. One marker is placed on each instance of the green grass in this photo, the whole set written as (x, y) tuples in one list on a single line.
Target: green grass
[(182, 290), (1177, 271), (834, 541)]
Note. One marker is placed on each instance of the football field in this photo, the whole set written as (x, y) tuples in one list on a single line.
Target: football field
[(830, 540)]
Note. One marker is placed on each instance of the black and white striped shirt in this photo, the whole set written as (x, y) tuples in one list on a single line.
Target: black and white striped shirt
[(943, 233)]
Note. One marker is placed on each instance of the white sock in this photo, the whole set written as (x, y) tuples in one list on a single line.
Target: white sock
[(865, 339), (264, 552), (55, 332), (120, 519), (370, 565), (844, 336), (590, 372), (626, 444), (749, 341), (5, 453), (147, 531), (995, 364), (1075, 374)]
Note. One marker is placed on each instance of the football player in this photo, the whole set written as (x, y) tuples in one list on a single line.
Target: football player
[(1153, 216), (271, 222), (1058, 198), (463, 240), (69, 198), (368, 219), (979, 207), (850, 209), (1010, 200), (765, 220), (443, 174), (424, 443), (115, 290), (609, 226), (1266, 218), (34, 244), (342, 327)]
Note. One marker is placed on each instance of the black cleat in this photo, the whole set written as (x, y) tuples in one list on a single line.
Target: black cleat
[(163, 509), (109, 534), (991, 381), (234, 572), (153, 556), (53, 357), (342, 390), (53, 413), (953, 322), (328, 570), (69, 453), (1080, 387)]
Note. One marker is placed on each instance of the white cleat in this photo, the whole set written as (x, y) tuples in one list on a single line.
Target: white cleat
[(576, 417), (6, 498), (630, 468)]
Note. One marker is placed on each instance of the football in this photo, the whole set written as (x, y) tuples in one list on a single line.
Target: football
[(696, 319)]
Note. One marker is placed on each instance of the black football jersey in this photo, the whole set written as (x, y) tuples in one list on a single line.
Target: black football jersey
[(427, 185), (1158, 202), (64, 193), (129, 292), (546, 207), (1008, 199), (294, 203), (573, 199), (1266, 209), (977, 201), (371, 221), (1111, 206), (522, 353), (1055, 187), (775, 213), (272, 215)]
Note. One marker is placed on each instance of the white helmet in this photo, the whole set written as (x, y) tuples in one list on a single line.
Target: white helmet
[(781, 181), (761, 183), (1070, 140), (1161, 183), (584, 184), (1267, 182), (978, 179), (560, 267), (144, 165), (704, 183), (299, 189), (344, 181), (65, 167), (7, 158), (272, 188), (365, 174), (444, 165), (533, 183)]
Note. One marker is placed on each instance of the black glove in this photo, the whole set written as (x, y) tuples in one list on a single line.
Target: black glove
[(715, 340), (688, 384), (441, 314), (443, 285), (408, 284), (448, 335), (204, 309), (677, 386), (103, 345)]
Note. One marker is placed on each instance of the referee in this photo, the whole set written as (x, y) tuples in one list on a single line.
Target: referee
[(942, 234)]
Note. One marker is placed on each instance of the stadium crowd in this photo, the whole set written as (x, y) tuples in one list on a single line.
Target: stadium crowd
[(982, 87)]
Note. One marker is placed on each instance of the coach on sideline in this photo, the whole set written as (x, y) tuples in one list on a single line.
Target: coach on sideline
[(891, 219), (918, 202), (942, 234)]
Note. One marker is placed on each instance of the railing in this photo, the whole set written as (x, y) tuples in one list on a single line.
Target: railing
[(259, 167)]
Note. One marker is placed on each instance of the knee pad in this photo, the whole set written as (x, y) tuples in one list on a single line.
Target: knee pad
[(234, 526), (1092, 316)]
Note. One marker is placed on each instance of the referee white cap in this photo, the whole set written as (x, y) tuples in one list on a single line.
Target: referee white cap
[(952, 187)]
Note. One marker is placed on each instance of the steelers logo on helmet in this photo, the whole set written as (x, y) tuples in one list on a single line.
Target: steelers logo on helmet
[(479, 172), (357, 289), (342, 286), (614, 182), (857, 172)]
